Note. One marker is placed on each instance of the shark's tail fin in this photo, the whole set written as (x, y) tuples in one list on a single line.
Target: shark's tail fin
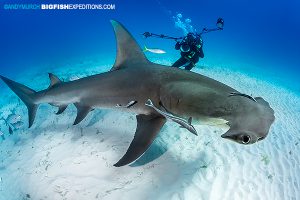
[(26, 94)]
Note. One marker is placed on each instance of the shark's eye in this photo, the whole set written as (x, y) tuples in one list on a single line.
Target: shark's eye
[(246, 139)]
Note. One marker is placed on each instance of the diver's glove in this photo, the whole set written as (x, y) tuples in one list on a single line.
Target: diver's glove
[(177, 45)]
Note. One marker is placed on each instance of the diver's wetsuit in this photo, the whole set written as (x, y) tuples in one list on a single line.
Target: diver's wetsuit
[(192, 56)]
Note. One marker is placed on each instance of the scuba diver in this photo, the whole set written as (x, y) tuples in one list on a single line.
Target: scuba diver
[(190, 50), (190, 46)]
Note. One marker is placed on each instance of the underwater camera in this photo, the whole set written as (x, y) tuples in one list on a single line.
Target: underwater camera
[(185, 47), (220, 23)]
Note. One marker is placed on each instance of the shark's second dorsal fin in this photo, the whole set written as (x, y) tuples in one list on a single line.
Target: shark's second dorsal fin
[(54, 80), (129, 53), (190, 120)]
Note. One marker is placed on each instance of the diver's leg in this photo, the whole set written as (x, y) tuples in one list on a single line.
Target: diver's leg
[(190, 66), (193, 62), (181, 61)]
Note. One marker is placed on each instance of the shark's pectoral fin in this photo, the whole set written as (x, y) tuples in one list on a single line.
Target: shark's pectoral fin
[(82, 112), (147, 129), (61, 109)]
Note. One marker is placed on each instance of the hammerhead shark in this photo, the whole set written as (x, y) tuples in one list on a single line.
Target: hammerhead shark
[(154, 93)]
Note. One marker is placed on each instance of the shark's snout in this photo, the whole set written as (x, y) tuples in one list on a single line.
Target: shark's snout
[(253, 126)]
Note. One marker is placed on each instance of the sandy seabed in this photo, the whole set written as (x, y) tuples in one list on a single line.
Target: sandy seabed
[(54, 160)]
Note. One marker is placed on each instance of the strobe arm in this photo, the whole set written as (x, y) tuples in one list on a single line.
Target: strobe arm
[(205, 30), (148, 34), (219, 24)]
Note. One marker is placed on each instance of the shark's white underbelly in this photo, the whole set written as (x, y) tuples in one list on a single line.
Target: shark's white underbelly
[(210, 121)]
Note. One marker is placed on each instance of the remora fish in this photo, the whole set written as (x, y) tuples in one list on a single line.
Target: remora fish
[(131, 103), (184, 123), (2, 135), (17, 125), (10, 130), (134, 77), (12, 118), (157, 51)]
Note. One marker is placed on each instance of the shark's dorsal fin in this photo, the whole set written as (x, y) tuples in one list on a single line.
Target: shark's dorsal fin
[(54, 80), (129, 53)]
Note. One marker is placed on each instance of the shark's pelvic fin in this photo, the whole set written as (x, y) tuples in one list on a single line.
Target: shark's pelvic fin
[(61, 109), (147, 129), (26, 94), (82, 112), (129, 53), (54, 80)]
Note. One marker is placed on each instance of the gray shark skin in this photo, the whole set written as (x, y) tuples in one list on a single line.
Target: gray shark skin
[(134, 78)]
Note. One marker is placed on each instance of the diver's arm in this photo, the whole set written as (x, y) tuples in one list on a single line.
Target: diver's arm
[(177, 45)]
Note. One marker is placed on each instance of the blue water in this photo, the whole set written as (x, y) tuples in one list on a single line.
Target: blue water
[(260, 39), (258, 34)]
